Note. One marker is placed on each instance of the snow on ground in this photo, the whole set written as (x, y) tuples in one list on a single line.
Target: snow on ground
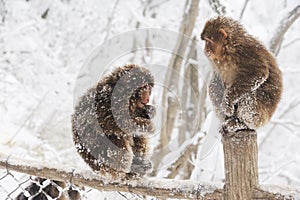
[(41, 58)]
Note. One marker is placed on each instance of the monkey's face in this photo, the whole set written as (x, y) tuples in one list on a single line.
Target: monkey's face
[(214, 42), (211, 49), (215, 37), (142, 96), (139, 101)]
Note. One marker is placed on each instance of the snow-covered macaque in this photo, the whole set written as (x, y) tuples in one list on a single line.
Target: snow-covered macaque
[(112, 123), (246, 85)]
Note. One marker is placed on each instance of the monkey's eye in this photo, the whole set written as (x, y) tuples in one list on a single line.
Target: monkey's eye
[(209, 40), (208, 44), (146, 87)]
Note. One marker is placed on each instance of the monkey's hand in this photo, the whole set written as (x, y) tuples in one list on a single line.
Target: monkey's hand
[(147, 112), (150, 110), (141, 166), (143, 125), (227, 106), (232, 125)]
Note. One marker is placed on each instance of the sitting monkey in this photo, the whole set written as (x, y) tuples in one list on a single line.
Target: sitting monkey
[(112, 121), (247, 84)]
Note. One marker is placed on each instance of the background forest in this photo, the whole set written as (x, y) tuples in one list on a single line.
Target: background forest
[(51, 51)]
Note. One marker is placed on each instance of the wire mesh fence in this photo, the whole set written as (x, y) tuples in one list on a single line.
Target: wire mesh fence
[(21, 186), (18, 186)]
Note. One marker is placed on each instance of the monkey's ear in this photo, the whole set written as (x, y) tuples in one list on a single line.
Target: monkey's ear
[(223, 32)]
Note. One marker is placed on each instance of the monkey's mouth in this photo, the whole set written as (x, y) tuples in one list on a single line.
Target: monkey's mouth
[(207, 51), (141, 104), (208, 48), (209, 54)]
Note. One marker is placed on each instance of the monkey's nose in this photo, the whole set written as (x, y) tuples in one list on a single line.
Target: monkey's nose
[(146, 100)]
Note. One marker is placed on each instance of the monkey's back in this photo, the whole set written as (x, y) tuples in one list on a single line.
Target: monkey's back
[(98, 149), (269, 93), (102, 123)]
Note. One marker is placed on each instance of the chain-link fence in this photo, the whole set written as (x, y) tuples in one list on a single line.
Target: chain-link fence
[(20, 186)]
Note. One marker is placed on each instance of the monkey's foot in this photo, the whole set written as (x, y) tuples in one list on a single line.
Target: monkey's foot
[(227, 107), (147, 112), (232, 125), (141, 166)]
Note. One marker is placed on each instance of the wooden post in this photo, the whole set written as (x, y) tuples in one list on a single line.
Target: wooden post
[(241, 170)]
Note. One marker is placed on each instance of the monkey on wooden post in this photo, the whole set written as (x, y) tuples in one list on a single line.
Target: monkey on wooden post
[(246, 85)]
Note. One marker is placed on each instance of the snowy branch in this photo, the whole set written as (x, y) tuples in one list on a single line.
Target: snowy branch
[(171, 80), (291, 43), (284, 25), (217, 7), (144, 186), (176, 166), (291, 106), (110, 19), (157, 4), (244, 8)]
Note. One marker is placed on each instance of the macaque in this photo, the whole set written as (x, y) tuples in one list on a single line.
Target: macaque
[(112, 122), (246, 85)]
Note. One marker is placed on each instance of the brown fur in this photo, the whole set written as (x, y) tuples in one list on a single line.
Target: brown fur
[(247, 84), (111, 123)]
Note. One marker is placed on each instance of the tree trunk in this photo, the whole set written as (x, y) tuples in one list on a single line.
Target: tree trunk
[(172, 79), (241, 170), (284, 26)]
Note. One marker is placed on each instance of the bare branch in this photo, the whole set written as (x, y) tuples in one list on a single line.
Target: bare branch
[(190, 97), (284, 26), (110, 18), (183, 158), (217, 7), (171, 81), (143, 186), (291, 43), (278, 169), (186, 28), (288, 122), (157, 4), (3, 11), (27, 118), (244, 8), (294, 103)]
